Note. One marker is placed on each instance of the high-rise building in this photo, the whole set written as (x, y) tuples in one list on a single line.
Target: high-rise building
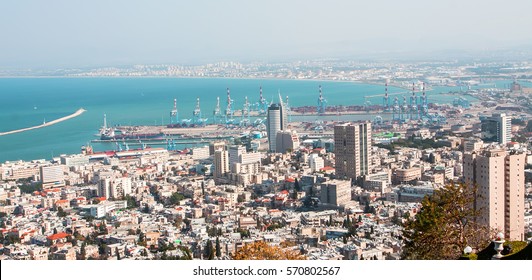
[(336, 192), (352, 149), (235, 153), (214, 146), (277, 121), (242, 165), (238, 154), (52, 176), (497, 128), (221, 164), (500, 179), (286, 141)]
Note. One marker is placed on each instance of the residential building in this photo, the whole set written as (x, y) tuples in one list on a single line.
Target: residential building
[(287, 141), (336, 192), (221, 164), (406, 175), (52, 176), (352, 147), (500, 178), (316, 162)]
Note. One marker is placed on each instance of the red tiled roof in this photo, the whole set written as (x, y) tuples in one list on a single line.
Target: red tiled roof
[(62, 201), (56, 236), (327, 168)]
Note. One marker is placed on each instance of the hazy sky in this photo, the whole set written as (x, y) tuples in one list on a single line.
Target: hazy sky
[(104, 32)]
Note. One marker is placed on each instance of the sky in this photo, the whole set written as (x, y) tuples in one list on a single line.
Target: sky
[(72, 33)]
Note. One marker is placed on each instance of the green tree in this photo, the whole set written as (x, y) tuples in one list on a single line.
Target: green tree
[(297, 187), (30, 188), (445, 225), (209, 250), (176, 198), (187, 254), (60, 212), (142, 239), (218, 248), (83, 252), (131, 202)]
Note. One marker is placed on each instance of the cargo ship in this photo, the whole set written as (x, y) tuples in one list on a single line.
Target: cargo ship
[(112, 134)]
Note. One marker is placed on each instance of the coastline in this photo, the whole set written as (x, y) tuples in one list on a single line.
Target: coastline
[(75, 114)]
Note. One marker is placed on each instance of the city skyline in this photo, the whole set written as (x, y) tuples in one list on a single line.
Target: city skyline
[(64, 34), (345, 130)]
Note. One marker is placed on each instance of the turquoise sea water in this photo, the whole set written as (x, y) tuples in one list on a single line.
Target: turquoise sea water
[(26, 102)]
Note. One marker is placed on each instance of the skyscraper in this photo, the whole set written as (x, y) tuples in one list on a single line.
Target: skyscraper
[(277, 121), (221, 164), (352, 148), (500, 178), (497, 128)]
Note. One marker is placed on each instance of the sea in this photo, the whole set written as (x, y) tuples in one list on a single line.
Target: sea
[(26, 102)]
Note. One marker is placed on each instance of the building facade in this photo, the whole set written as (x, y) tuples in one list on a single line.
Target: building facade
[(336, 192), (277, 121), (352, 147), (221, 164), (52, 176), (499, 176), (497, 128), (286, 141)]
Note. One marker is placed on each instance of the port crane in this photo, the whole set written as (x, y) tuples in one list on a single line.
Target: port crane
[(322, 103)]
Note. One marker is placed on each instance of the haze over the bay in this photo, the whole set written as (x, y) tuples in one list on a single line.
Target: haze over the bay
[(55, 34)]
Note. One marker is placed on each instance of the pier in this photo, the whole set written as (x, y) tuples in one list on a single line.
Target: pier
[(77, 113)]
